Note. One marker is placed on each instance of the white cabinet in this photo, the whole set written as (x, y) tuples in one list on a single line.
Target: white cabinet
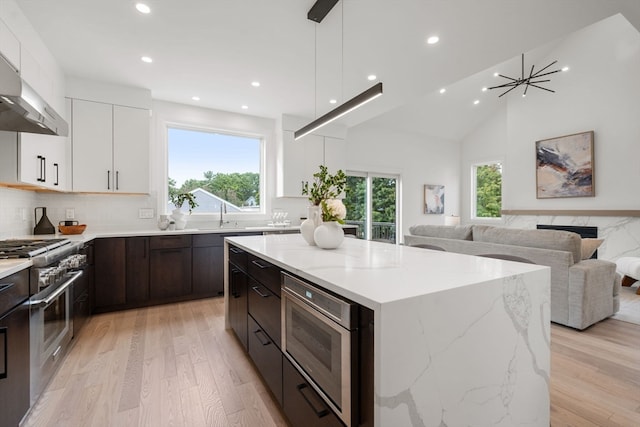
[(110, 148), (9, 46), (301, 159), (34, 160)]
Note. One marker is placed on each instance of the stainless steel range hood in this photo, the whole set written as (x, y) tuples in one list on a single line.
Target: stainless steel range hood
[(22, 109)]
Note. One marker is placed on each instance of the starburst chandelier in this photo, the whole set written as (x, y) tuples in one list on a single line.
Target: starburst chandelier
[(533, 79)]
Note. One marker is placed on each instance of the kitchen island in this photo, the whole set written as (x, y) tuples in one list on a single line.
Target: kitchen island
[(458, 340)]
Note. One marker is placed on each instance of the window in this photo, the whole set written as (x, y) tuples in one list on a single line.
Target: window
[(487, 190), (372, 204), (217, 168)]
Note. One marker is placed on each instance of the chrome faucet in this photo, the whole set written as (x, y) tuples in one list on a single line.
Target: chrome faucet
[(223, 208)]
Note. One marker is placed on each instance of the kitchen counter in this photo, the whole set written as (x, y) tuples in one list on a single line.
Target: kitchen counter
[(10, 266), (459, 340)]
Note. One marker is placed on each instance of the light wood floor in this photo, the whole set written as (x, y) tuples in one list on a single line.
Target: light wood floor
[(175, 365)]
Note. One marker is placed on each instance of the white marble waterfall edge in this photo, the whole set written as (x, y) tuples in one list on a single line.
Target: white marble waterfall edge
[(477, 355)]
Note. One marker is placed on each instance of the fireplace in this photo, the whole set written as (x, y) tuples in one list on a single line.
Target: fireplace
[(583, 231)]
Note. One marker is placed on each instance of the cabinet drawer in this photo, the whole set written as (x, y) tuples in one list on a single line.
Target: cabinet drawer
[(264, 306), (170, 242), (267, 358), (238, 257), (265, 273), (204, 240), (15, 289), (302, 405)]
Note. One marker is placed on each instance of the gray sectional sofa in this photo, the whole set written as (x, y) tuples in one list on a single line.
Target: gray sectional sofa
[(583, 291)]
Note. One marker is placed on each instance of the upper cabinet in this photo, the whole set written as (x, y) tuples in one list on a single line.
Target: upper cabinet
[(299, 160), (9, 46), (110, 147)]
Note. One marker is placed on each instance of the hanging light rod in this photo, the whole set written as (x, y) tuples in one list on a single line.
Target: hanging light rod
[(368, 95), (320, 9)]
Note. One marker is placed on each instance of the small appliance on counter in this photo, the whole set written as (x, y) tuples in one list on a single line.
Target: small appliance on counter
[(43, 226), (71, 227)]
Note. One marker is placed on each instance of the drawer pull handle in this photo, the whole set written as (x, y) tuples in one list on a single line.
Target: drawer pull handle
[(302, 388), (257, 263), (255, 289), (5, 286), (236, 251), (258, 333)]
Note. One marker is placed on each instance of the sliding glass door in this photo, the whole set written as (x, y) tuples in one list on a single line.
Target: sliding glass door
[(372, 205)]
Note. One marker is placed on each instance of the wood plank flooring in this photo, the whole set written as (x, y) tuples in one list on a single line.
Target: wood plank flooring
[(175, 365)]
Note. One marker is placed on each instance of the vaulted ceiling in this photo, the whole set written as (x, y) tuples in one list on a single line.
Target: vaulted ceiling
[(216, 49)]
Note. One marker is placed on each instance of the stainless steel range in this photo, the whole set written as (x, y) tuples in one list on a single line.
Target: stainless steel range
[(56, 266)]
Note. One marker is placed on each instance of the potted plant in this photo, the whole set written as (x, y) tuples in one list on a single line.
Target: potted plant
[(178, 200), (325, 186)]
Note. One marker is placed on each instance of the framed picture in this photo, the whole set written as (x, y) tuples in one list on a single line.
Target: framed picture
[(434, 199), (564, 166)]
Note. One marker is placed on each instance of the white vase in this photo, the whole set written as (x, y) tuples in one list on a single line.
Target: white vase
[(179, 219), (328, 235), (310, 224)]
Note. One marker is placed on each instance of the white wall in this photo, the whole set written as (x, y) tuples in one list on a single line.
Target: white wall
[(16, 212), (418, 159)]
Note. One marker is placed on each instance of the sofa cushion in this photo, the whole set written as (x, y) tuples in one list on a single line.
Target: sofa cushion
[(589, 246), (459, 232), (544, 239)]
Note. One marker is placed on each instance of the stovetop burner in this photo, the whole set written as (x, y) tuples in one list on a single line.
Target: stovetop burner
[(28, 248)]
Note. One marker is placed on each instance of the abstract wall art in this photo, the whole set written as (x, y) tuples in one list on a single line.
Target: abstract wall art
[(564, 166), (434, 199)]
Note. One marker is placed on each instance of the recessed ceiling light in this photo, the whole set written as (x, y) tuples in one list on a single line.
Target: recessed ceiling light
[(476, 102), (443, 90), (372, 77), (524, 95), (484, 89), (143, 8), (496, 74), (195, 98), (244, 107), (255, 84), (146, 59), (565, 68), (433, 40), (333, 101)]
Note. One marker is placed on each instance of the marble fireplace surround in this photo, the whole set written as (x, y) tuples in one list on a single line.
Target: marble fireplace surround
[(619, 229)]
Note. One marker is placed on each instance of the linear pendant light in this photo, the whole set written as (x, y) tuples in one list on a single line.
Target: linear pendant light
[(368, 95)]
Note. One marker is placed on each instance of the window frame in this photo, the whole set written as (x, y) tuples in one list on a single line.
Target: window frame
[(210, 129), (474, 187)]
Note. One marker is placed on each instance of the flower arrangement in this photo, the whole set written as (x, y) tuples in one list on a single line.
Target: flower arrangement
[(333, 210), (325, 186)]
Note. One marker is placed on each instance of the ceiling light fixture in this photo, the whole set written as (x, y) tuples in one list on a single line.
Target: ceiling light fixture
[(531, 80), (371, 77), (484, 89), (333, 101), (476, 102), (195, 98), (146, 59), (143, 8), (244, 107), (255, 84), (433, 40), (565, 69), (443, 90), (357, 101), (320, 9)]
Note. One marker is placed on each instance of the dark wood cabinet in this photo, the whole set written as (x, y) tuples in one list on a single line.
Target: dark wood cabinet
[(238, 297), (110, 273), (170, 273), (265, 273), (121, 272), (14, 364), (137, 271), (208, 265), (266, 356), (265, 308), (301, 403), (82, 289)]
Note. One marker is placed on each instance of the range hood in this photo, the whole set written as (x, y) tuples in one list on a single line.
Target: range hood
[(22, 109)]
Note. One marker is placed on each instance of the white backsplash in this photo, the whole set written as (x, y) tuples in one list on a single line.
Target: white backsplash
[(16, 212), (621, 234)]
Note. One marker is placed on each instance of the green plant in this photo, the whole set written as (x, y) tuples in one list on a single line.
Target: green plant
[(325, 186), (178, 200)]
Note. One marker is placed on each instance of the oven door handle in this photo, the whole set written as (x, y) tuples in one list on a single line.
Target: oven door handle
[(46, 301)]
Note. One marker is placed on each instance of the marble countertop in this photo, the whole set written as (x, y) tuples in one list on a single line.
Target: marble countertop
[(374, 273)]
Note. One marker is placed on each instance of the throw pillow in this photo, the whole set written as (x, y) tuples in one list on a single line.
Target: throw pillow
[(589, 246)]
